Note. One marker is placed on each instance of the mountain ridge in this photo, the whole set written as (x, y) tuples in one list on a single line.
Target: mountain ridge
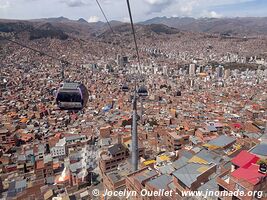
[(59, 27), (235, 26)]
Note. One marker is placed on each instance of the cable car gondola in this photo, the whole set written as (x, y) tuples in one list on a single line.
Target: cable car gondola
[(72, 96), (125, 88), (178, 93), (142, 91)]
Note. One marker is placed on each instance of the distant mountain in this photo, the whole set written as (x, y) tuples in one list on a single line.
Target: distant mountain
[(232, 26), (125, 29), (116, 23), (62, 28), (34, 30), (55, 19), (173, 21), (161, 28), (47, 30), (82, 20), (123, 33), (8, 26)]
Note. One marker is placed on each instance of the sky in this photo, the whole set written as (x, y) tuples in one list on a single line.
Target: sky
[(141, 9)]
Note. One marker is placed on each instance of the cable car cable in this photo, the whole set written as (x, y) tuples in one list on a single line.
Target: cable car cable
[(133, 32), (104, 16)]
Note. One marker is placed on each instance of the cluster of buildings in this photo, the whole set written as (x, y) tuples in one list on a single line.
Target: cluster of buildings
[(187, 47)]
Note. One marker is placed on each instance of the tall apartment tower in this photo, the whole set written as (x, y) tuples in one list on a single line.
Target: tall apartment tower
[(192, 69), (219, 71)]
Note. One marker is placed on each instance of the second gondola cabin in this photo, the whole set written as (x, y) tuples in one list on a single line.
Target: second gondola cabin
[(125, 88), (142, 91), (72, 96), (178, 93)]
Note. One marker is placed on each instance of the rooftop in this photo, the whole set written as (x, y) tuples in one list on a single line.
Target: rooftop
[(70, 85), (222, 141), (260, 149), (160, 182), (144, 175), (116, 148), (244, 159), (188, 173), (250, 174)]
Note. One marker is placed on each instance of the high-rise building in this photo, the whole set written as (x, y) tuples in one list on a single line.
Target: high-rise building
[(122, 60), (201, 69), (181, 71), (165, 70), (219, 71), (192, 69), (155, 69)]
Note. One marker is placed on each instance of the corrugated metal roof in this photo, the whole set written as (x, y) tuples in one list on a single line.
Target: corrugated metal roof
[(145, 175), (187, 174), (161, 182), (196, 159), (167, 169), (222, 141), (260, 149), (180, 162)]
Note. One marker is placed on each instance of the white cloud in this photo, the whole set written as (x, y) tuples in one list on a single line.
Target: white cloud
[(187, 7), (117, 9), (93, 19), (154, 2), (191, 8), (75, 3), (214, 14), (4, 4), (210, 14), (126, 19), (157, 6)]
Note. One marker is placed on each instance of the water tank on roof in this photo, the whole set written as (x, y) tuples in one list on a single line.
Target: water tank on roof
[(263, 168)]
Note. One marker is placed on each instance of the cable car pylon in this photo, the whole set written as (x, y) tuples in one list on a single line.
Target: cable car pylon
[(134, 116)]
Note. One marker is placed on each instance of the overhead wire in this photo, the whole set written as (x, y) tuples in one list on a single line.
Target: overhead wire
[(105, 16), (109, 25), (133, 32)]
